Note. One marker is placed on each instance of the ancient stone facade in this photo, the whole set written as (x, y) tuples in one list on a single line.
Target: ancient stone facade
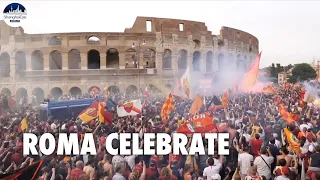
[(64, 63)]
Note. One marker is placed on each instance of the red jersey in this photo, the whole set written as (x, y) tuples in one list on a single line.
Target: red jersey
[(76, 173), (255, 146)]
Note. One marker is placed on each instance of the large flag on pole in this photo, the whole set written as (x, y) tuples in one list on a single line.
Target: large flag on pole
[(167, 108), (185, 84), (251, 76)]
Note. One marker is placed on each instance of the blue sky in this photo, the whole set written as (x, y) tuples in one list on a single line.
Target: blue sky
[(288, 31)]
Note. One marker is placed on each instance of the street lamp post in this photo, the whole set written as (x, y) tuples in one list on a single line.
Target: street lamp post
[(138, 65)]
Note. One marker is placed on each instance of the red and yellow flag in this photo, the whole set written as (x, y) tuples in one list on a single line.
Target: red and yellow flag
[(167, 108), (292, 140), (288, 117), (104, 116), (90, 113), (269, 90), (251, 76), (23, 125), (196, 105)]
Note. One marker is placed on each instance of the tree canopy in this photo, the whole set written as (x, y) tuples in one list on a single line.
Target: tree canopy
[(302, 72)]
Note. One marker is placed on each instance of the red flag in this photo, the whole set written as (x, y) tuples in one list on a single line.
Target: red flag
[(251, 76)]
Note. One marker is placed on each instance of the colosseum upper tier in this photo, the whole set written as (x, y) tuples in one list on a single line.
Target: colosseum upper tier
[(154, 51)]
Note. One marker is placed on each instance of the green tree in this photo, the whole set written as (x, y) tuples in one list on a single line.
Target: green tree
[(302, 72)]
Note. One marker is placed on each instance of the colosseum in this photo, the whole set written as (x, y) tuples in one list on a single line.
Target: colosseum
[(154, 52)]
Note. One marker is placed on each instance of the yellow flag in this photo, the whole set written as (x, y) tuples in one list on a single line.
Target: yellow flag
[(23, 125), (196, 105), (294, 143)]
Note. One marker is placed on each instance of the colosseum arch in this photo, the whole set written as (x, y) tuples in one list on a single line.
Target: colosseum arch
[(39, 95), (54, 40), (167, 59), (6, 91), (112, 58), (74, 91), (131, 59), (93, 59), (20, 59), (114, 89), (93, 40), (149, 58), (55, 60), (94, 90), (196, 61), (21, 93), (209, 61), (56, 92), (4, 65), (221, 62), (37, 60), (131, 89), (182, 59), (74, 59)]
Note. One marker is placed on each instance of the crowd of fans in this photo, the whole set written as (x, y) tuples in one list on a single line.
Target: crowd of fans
[(258, 149)]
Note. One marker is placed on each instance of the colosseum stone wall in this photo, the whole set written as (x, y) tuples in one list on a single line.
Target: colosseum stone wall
[(154, 52)]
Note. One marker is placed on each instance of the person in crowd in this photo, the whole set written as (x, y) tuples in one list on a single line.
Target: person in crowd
[(264, 162), (256, 144), (314, 161), (252, 174), (284, 155), (78, 172), (119, 171), (212, 169), (245, 161)]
